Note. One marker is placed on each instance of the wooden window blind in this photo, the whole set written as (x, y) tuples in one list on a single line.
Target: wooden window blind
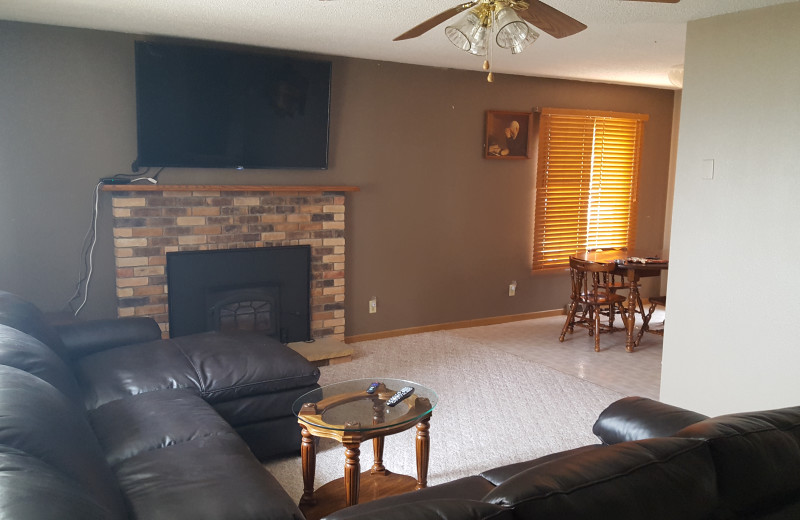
[(586, 183)]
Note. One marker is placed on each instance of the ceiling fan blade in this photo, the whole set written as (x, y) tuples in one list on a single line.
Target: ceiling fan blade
[(551, 20), (659, 1), (430, 23)]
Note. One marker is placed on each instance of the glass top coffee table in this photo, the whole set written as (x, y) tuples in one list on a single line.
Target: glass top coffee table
[(351, 413)]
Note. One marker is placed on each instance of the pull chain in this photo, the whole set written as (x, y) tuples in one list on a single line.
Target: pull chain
[(487, 64)]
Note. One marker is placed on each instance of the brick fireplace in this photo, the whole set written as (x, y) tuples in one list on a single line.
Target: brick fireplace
[(150, 221)]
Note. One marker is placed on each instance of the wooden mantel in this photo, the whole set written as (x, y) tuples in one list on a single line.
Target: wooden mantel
[(224, 187)]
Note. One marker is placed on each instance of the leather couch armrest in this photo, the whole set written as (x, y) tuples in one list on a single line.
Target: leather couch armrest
[(87, 337), (637, 418)]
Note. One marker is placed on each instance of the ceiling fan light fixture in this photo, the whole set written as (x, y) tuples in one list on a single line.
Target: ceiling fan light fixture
[(512, 32), (459, 34), (470, 34), (529, 39), (480, 44)]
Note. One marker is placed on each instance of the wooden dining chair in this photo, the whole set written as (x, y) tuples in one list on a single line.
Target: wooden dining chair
[(655, 301), (590, 299), (614, 283)]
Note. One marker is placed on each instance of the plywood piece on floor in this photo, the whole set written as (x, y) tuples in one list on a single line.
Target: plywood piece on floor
[(324, 351)]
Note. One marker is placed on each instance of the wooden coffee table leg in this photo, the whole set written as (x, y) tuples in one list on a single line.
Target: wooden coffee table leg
[(377, 442), (423, 452), (352, 473), (308, 454), (377, 451)]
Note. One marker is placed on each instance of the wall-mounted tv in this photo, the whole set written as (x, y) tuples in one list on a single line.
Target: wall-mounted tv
[(213, 107)]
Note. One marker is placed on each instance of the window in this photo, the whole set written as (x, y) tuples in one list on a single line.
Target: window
[(586, 183)]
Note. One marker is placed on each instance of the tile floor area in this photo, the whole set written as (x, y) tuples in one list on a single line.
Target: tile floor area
[(637, 373)]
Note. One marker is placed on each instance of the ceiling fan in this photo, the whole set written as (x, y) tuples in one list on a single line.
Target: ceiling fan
[(507, 19)]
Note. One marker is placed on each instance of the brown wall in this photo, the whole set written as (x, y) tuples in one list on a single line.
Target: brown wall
[(436, 233)]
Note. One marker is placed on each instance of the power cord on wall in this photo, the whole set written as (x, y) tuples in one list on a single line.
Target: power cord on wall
[(90, 239), (87, 251)]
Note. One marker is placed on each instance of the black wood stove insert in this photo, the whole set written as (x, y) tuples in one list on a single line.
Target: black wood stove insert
[(265, 289)]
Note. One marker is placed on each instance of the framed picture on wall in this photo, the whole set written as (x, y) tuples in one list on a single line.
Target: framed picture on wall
[(507, 135)]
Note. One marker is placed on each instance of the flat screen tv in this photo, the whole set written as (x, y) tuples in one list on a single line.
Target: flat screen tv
[(208, 107)]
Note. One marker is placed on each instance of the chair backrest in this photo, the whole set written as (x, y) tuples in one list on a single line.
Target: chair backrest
[(592, 267), (587, 276)]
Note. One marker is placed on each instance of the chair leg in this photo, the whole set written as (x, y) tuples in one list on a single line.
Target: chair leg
[(596, 330), (645, 324), (611, 316), (568, 325), (623, 313)]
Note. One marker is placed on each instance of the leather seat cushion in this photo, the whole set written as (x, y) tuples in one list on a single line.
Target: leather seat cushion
[(131, 370), (235, 365), (220, 367), (206, 477), (153, 420)]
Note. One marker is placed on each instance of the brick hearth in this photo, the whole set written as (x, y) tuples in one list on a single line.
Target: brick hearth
[(150, 221)]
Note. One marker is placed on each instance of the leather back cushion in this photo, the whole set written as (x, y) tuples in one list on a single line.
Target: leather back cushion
[(19, 350), (26, 317), (49, 435), (655, 479), (757, 457)]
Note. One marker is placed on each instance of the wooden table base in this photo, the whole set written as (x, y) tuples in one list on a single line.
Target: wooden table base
[(331, 497)]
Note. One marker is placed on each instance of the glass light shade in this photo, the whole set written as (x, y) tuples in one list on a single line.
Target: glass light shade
[(511, 30), (529, 39), (480, 42), (462, 34)]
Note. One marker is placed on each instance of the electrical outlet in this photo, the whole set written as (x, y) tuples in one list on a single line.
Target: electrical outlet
[(512, 288), (373, 305)]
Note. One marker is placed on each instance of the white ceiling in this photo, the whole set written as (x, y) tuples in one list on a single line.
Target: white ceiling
[(627, 42)]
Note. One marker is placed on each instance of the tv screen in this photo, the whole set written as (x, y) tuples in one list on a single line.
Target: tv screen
[(208, 107)]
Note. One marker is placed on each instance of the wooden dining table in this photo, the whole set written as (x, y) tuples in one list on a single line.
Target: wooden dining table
[(651, 263)]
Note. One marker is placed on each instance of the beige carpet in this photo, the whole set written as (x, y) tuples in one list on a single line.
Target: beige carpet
[(494, 409)]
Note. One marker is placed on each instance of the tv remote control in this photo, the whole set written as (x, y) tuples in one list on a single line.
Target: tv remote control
[(372, 387), (400, 395)]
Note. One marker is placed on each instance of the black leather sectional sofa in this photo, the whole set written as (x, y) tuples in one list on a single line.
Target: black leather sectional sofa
[(657, 462), (106, 421)]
